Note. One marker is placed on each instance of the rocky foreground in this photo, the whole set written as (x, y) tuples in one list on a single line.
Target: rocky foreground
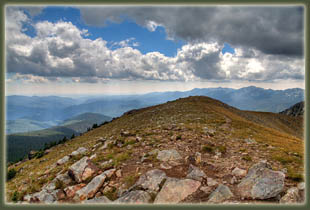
[(83, 182)]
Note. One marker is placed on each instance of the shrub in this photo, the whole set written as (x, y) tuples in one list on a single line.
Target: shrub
[(208, 149), (247, 158), (11, 174), (15, 196), (39, 154), (95, 125), (59, 184), (73, 136), (179, 137), (222, 149)]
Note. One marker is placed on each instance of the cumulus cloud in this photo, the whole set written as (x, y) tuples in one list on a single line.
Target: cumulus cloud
[(61, 49), (270, 29)]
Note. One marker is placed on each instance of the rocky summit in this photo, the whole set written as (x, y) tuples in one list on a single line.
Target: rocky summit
[(192, 150)]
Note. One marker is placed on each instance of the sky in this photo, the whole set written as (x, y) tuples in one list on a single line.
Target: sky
[(61, 50)]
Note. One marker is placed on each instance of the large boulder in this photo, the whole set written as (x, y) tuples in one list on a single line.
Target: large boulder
[(168, 155), (151, 180), (82, 170), (291, 196), (238, 172), (261, 182), (195, 173), (135, 197), (43, 197), (91, 188), (64, 178), (220, 194), (175, 190)]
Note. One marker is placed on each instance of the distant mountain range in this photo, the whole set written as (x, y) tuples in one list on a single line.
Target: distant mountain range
[(19, 144), (52, 110)]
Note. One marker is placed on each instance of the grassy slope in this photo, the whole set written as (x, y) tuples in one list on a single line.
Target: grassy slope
[(276, 141)]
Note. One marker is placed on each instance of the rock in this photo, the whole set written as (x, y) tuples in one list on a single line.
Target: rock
[(135, 197), (60, 194), (93, 156), (195, 173), (165, 165), (151, 180), (249, 141), (106, 163), (107, 189), (126, 133), (233, 180), (63, 160), (44, 197), (175, 190), (220, 194), (81, 150), (211, 182), (206, 189), (261, 182), (138, 139), (71, 190), (118, 173), (291, 196), (209, 131), (82, 170), (101, 199), (91, 188), (198, 157), (49, 187), (301, 186), (64, 178), (168, 155), (106, 144), (239, 172), (109, 173)]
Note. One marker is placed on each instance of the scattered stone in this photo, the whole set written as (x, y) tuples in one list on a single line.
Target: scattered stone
[(71, 190), (154, 152), (209, 131), (91, 188), (165, 165), (168, 155), (93, 156), (211, 182), (118, 173), (138, 139), (109, 173), (82, 170), (301, 186), (291, 196), (135, 197), (220, 194), (106, 144), (106, 163), (249, 141), (195, 173), (261, 182), (81, 150), (43, 197), (239, 172), (175, 190), (233, 180), (101, 199), (63, 160)]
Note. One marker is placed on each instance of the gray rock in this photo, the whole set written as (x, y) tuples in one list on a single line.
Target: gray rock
[(81, 150), (64, 178), (151, 180), (261, 182), (301, 186), (109, 173), (101, 199), (82, 170), (220, 194), (91, 188), (135, 197), (175, 190), (44, 197), (63, 160), (106, 163), (211, 182), (168, 155), (195, 173), (291, 196)]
